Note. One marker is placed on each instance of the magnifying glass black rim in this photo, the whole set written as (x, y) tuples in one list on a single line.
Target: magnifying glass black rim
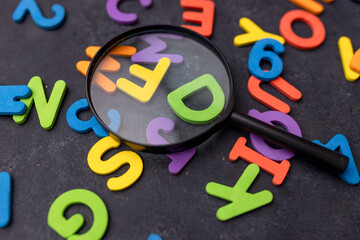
[(170, 148)]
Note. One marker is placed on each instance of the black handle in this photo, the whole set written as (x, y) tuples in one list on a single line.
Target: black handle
[(324, 157)]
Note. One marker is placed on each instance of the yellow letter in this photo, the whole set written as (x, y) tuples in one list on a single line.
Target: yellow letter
[(114, 163), (254, 34), (346, 54), (152, 79)]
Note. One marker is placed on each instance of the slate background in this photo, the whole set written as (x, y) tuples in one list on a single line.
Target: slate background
[(310, 204)]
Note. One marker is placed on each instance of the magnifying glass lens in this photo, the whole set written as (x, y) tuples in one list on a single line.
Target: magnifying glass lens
[(159, 83), (166, 89)]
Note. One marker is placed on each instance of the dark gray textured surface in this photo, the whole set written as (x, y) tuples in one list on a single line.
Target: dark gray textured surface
[(310, 204)]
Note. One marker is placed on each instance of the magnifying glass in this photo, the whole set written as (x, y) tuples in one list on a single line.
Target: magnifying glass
[(171, 88)]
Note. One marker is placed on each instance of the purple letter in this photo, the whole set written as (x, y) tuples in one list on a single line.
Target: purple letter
[(271, 117), (120, 17), (178, 160), (151, 55)]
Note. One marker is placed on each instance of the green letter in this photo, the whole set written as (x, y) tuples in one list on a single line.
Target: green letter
[(47, 111), (176, 97), (67, 228)]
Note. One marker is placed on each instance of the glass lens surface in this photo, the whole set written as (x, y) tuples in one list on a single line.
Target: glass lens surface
[(159, 88)]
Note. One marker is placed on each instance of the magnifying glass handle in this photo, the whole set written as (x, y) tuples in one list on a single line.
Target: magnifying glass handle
[(324, 157)]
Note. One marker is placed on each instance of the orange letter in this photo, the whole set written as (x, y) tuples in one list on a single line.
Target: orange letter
[(204, 18), (311, 5), (269, 100), (279, 171), (108, 64)]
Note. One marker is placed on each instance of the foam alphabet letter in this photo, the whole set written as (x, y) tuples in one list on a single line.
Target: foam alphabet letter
[(176, 97), (84, 126), (271, 117), (120, 17), (316, 25), (101, 167), (67, 228), (311, 5), (151, 55), (115, 120), (8, 99), (279, 171), (355, 62), (47, 110), (253, 34), (152, 79), (5, 199), (346, 54), (351, 174), (154, 237), (108, 64), (258, 54), (269, 100), (178, 160), (204, 18), (241, 201), (32, 7)]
